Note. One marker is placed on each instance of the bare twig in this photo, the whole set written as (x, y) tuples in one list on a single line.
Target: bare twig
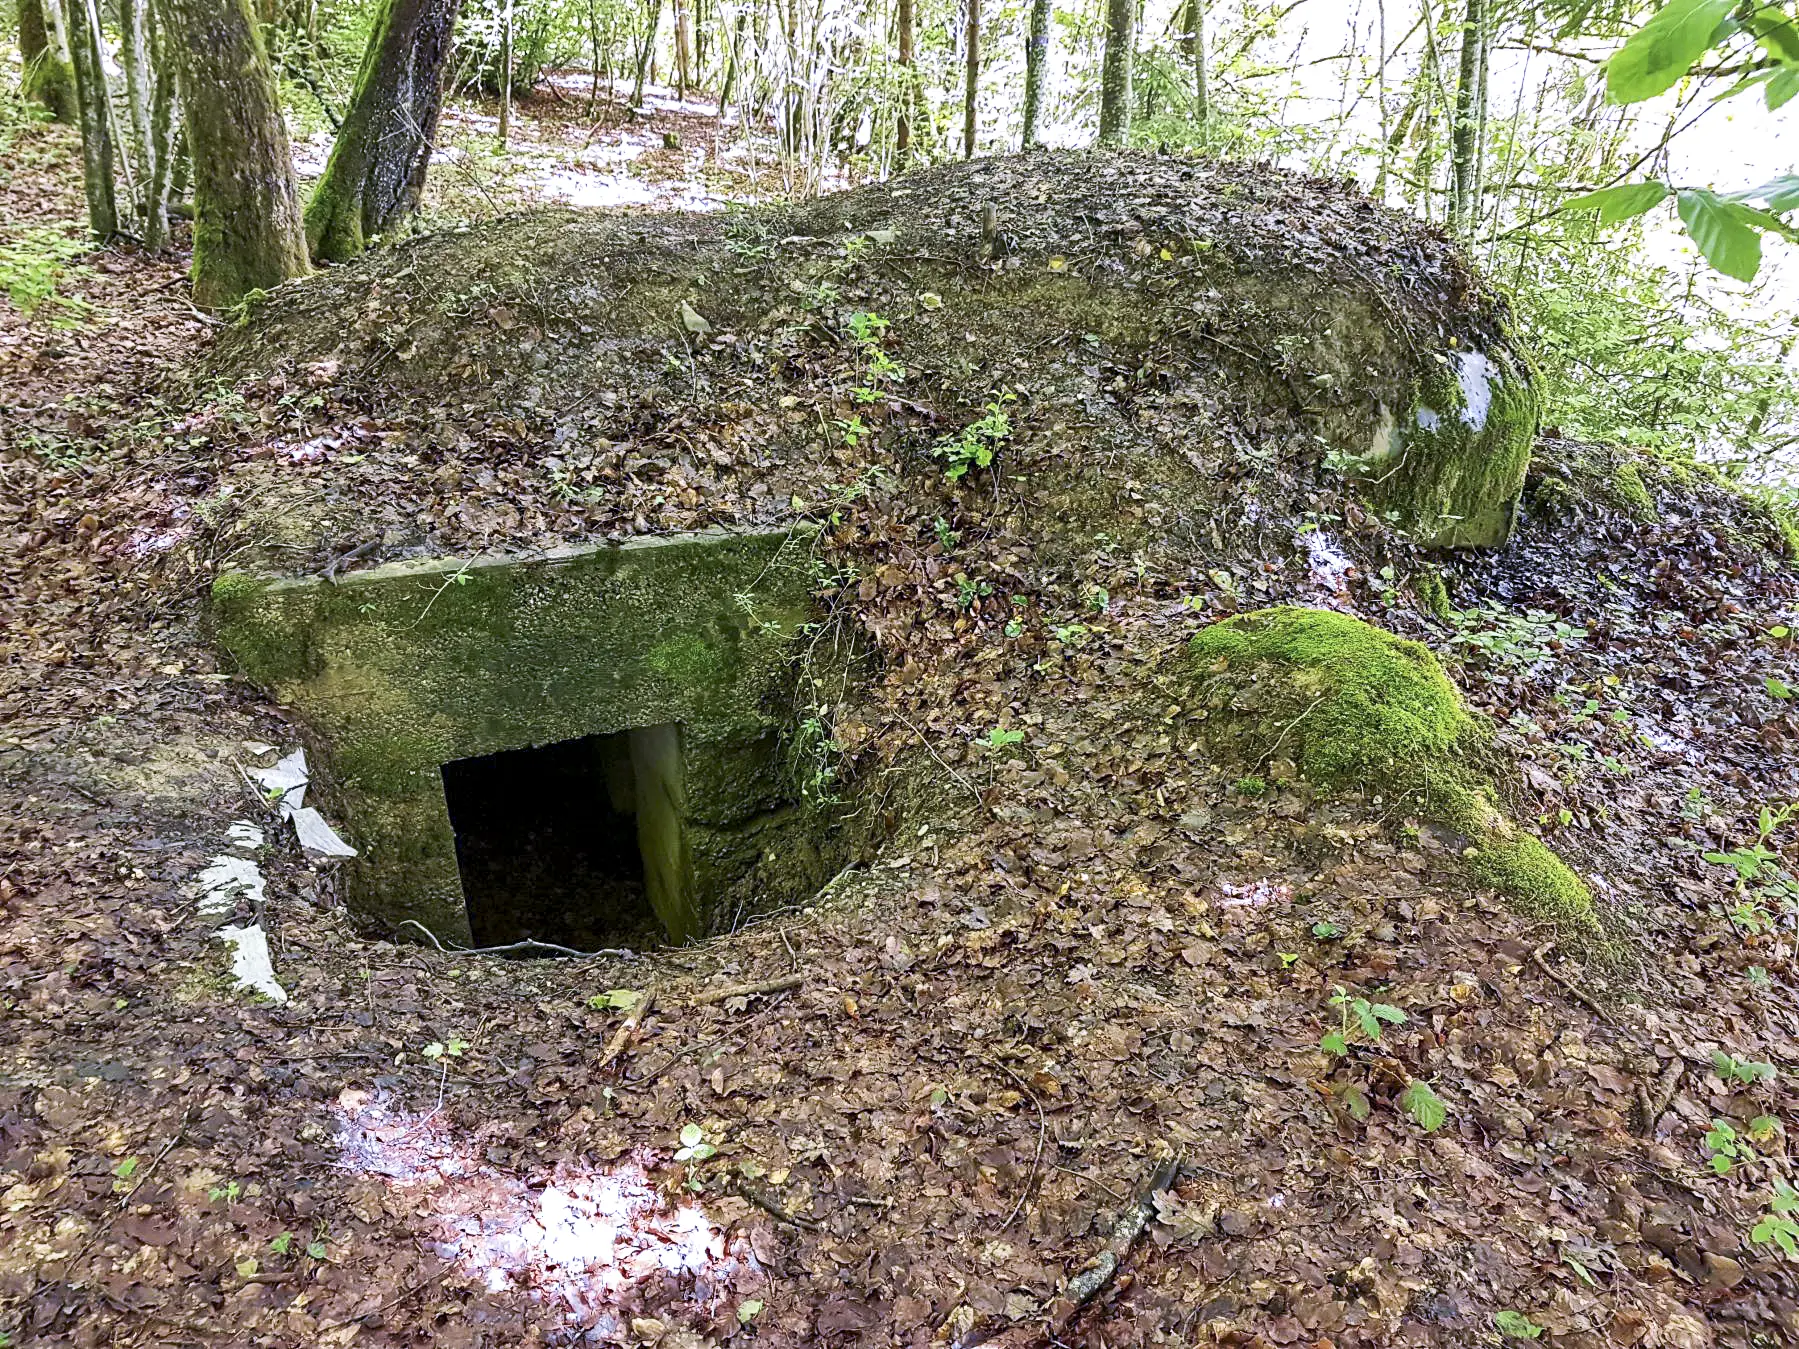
[(622, 1036), (125, 1198), (739, 1186), (1574, 990), (1087, 1285), (518, 947), (1030, 1181), (1654, 1107), (729, 991)]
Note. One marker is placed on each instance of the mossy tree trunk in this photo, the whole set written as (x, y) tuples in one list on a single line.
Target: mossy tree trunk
[(247, 229), (1115, 72), (1193, 46), (49, 79), (1036, 57), (164, 140), (97, 148), (371, 185), (902, 131), (972, 89), (1465, 138)]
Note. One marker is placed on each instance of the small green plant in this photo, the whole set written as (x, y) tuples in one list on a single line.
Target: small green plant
[(615, 999), (281, 1244), (947, 538), (1000, 739), (1423, 1104), (1741, 1072), (1358, 1014), (229, 1192), (1509, 641), (1764, 886), (1722, 1147), (1251, 785), (694, 1149), (1777, 1226), (1326, 931), (122, 1174), (31, 264), (1515, 1325), (976, 444), (437, 1049)]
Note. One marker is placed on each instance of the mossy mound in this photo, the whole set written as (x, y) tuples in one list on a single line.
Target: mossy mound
[(1354, 707), (1142, 320)]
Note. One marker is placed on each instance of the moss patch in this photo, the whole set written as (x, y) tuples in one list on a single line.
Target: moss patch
[(1451, 472), (1355, 707)]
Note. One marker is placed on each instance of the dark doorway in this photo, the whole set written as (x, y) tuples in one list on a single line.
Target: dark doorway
[(547, 842)]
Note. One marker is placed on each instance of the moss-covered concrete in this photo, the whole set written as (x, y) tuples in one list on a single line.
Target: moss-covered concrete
[(1450, 471), (1365, 334), (405, 667), (1356, 708)]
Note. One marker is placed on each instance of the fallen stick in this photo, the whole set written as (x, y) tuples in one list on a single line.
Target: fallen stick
[(774, 1210), (1574, 990), (1093, 1280), (712, 995), (622, 1036), (1654, 1107)]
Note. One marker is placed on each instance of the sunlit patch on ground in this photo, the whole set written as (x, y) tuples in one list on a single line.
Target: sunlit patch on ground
[(598, 1243)]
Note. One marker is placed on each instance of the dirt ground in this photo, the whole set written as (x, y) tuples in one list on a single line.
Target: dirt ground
[(1099, 953)]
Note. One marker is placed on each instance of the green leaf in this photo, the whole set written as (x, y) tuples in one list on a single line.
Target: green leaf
[(316, 1249), (1517, 1325), (692, 1135), (1664, 49), (1777, 688), (1355, 1101), (1782, 86), (125, 1169), (1334, 1044), (1389, 1013), (1718, 228), (281, 1244), (1621, 202), (748, 1311), (1424, 1105)]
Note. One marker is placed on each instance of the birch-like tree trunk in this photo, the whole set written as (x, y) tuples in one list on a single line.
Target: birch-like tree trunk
[(93, 115), (683, 47), (1036, 59), (1465, 136), (1193, 46), (247, 230), (372, 183), (1115, 72)]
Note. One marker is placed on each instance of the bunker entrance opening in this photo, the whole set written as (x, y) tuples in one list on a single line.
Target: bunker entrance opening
[(577, 842)]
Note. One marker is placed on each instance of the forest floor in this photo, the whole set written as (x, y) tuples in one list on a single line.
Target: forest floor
[(1106, 951)]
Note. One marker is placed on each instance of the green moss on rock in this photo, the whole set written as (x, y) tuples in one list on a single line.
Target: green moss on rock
[(1450, 472), (1433, 593), (1354, 707)]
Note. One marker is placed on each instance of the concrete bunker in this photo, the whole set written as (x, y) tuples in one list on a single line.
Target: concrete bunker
[(586, 747)]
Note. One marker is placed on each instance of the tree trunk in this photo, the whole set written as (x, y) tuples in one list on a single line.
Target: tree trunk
[(48, 79), (1465, 137), (247, 230), (645, 51), (683, 47), (377, 168), (1036, 57), (902, 130), (972, 89), (1115, 72), (1193, 45), (733, 59), (506, 75), (97, 147), (163, 140)]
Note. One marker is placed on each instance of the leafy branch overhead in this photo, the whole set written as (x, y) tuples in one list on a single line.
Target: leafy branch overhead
[(1726, 228)]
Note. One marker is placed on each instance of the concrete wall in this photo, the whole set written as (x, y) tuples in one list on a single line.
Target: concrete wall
[(404, 667)]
